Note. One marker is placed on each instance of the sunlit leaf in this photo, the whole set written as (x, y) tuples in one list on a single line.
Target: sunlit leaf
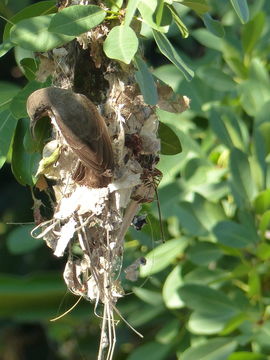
[(181, 26), (171, 286), (168, 50), (162, 256), (243, 186), (213, 349), (38, 9), (130, 11), (147, 9), (241, 9), (121, 44), (77, 19), (200, 6), (245, 355), (262, 202), (252, 32), (150, 297), (33, 34)]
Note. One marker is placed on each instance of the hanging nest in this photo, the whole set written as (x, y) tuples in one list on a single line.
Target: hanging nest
[(98, 166)]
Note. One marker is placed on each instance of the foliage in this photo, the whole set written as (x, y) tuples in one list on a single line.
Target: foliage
[(206, 294)]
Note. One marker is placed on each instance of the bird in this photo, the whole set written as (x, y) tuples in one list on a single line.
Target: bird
[(82, 127)]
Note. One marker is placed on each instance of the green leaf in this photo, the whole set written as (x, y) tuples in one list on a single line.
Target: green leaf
[(7, 128), (199, 6), (204, 276), (121, 44), (168, 332), (235, 235), (255, 91), (160, 10), (261, 337), (216, 78), (159, 258), (150, 351), (254, 284), (207, 212), (18, 103), (40, 8), (146, 82), (19, 240), (170, 166), (42, 134), (30, 68), (7, 92), (23, 165), (147, 9), (241, 9), (213, 349), (228, 127), (130, 11), (114, 5), (170, 143), (189, 221), (263, 251), (168, 50), (181, 26), (207, 300), (252, 32), (262, 202), (150, 297), (144, 314), (265, 222), (171, 286), (208, 323), (245, 355), (234, 323), (76, 19), (208, 39), (204, 253), (168, 196), (242, 183), (5, 47), (33, 34), (214, 26)]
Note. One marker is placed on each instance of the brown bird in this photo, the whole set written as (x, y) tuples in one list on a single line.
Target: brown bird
[(82, 127)]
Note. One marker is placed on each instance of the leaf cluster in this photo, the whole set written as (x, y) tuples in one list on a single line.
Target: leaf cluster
[(210, 279), (207, 290)]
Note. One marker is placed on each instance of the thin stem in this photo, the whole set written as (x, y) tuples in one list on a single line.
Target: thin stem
[(111, 17), (8, 21), (160, 217)]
